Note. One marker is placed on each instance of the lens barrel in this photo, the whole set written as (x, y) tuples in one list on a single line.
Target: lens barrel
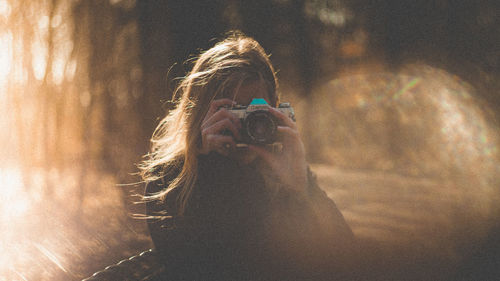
[(260, 127)]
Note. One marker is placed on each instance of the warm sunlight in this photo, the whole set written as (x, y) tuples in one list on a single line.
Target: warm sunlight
[(400, 130), (5, 58), (38, 52), (14, 207), (5, 8), (14, 193)]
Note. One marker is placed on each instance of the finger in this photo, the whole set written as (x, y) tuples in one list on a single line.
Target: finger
[(218, 127), (220, 140), (291, 139), (220, 143), (221, 114), (288, 133), (283, 118), (225, 147), (222, 151), (216, 104)]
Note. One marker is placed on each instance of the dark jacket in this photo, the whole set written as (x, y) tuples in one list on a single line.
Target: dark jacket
[(236, 228)]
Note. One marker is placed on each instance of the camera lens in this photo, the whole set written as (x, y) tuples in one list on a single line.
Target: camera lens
[(261, 127)]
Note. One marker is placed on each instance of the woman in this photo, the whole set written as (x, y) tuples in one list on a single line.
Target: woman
[(219, 212)]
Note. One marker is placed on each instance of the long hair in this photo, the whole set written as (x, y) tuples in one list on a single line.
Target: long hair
[(217, 73)]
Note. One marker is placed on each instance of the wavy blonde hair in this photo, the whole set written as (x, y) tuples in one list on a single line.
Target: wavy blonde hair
[(217, 72)]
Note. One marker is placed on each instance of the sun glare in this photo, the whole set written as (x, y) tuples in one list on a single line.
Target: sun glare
[(14, 203), (15, 200), (5, 8), (5, 57)]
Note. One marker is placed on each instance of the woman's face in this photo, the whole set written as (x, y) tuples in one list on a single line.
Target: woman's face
[(248, 91), (244, 96)]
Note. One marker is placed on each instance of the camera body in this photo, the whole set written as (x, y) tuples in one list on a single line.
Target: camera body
[(259, 126)]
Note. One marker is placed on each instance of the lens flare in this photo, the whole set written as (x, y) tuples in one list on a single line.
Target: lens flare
[(413, 155), (51, 256)]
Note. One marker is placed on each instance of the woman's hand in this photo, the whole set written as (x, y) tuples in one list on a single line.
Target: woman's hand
[(290, 165), (215, 122)]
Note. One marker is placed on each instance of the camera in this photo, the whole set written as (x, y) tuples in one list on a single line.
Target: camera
[(259, 126)]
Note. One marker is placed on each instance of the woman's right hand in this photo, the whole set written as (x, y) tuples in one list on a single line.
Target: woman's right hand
[(214, 124)]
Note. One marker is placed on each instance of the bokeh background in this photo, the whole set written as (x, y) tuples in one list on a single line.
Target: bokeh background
[(398, 104)]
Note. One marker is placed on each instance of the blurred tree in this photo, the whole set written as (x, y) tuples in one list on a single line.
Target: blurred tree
[(47, 101), (169, 33), (108, 79), (459, 36)]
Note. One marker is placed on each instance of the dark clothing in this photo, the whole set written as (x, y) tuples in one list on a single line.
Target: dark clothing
[(236, 228)]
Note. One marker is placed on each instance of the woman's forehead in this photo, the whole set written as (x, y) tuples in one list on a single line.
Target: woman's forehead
[(246, 92)]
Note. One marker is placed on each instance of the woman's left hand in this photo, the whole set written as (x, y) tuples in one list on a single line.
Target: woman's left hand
[(290, 165)]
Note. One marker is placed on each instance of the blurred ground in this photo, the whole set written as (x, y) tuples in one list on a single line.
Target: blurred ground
[(57, 237), (407, 226)]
